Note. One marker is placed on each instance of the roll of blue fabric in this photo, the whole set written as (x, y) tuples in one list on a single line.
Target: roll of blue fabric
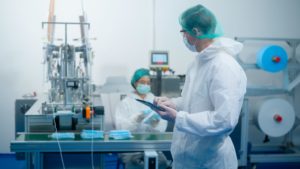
[(272, 58)]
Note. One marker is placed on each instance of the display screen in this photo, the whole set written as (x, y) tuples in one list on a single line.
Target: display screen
[(159, 58)]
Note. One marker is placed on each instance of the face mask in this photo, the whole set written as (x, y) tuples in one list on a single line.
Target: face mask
[(90, 134), (120, 134), (63, 135), (188, 45), (143, 89)]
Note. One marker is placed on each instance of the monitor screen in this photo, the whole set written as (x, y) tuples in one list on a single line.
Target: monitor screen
[(159, 58)]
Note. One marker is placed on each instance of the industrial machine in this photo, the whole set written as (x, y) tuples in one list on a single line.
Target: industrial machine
[(269, 108), (163, 80), (69, 103)]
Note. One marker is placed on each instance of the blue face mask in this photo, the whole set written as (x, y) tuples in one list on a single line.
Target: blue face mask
[(62, 136), (91, 134), (188, 45), (143, 89), (120, 134)]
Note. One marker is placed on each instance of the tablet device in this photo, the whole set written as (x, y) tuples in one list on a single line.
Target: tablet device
[(151, 105)]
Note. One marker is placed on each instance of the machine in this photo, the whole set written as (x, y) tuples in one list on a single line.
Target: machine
[(70, 101), (163, 80), (71, 104), (268, 111)]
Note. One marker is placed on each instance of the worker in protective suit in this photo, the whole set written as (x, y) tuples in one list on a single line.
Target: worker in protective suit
[(137, 117), (210, 103)]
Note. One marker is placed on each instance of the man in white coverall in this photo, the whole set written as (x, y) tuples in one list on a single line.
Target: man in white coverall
[(212, 96)]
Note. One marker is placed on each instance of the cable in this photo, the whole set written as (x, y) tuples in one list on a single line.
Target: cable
[(60, 151), (55, 126), (82, 6), (92, 146), (59, 147), (92, 117)]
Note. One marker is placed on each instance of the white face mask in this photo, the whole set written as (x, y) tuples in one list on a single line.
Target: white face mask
[(188, 45), (143, 88)]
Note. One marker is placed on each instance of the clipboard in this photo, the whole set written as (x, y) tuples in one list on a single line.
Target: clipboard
[(151, 105)]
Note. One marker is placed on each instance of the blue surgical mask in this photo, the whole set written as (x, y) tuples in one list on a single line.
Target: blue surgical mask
[(62, 135), (91, 134), (188, 45), (120, 134), (143, 89)]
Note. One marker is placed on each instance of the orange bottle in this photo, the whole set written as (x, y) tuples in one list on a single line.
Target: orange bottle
[(87, 112)]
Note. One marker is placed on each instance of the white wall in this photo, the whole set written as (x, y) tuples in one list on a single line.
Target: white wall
[(123, 29)]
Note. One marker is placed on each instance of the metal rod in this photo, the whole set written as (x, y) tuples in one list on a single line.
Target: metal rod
[(66, 23)]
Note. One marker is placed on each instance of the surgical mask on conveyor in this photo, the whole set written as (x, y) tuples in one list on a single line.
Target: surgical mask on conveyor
[(120, 134), (90, 134), (62, 135)]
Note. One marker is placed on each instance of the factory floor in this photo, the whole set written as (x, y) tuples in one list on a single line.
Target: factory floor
[(8, 161)]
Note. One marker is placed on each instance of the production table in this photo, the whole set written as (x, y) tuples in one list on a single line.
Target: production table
[(35, 144)]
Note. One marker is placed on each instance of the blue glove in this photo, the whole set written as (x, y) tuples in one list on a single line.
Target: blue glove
[(146, 112), (151, 118)]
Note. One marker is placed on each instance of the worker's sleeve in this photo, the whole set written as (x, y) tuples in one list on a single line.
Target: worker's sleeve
[(178, 102), (125, 117), (226, 92)]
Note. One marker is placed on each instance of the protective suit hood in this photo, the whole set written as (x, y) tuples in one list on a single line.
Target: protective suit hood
[(230, 46)]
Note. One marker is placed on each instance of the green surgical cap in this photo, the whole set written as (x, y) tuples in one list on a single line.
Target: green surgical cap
[(139, 74), (200, 23)]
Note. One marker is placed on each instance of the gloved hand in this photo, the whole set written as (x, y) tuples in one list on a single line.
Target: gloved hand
[(140, 118), (154, 120), (165, 101), (154, 123), (142, 115), (169, 114)]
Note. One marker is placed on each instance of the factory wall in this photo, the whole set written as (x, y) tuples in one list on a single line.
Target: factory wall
[(124, 37)]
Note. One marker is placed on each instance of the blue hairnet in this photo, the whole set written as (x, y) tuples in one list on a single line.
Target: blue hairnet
[(139, 74), (200, 23)]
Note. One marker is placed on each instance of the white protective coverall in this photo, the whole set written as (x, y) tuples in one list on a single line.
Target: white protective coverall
[(126, 116), (128, 111), (209, 108)]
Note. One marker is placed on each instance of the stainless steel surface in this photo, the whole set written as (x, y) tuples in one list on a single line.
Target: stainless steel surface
[(36, 145), (21, 107), (141, 143), (37, 121)]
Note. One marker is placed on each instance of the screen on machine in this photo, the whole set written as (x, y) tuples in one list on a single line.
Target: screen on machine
[(159, 58)]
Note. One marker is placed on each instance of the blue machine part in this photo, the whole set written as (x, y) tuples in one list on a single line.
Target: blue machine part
[(272, 58)]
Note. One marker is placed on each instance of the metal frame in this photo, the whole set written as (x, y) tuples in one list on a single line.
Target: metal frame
[(244, 134), (66, 26), (287, 153), (36, 149)]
